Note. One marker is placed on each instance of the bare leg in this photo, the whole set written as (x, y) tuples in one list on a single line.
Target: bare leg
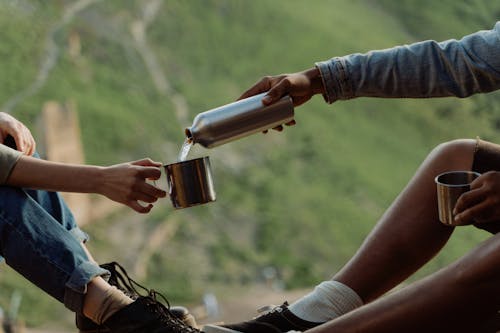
[(394, 249), (458, 298)]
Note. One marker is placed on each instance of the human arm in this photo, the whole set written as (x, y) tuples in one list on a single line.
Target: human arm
[(420, 70), (124, 183), (457, 298), (426, 69)]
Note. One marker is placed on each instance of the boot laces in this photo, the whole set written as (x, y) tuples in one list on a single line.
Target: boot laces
[(164, 314), (119, 278), (270, 310)]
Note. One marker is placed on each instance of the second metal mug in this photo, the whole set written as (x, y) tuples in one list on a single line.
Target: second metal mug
[(190, 182), (450, 186)]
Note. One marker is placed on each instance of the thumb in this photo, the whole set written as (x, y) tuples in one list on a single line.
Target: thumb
[(275, 93), (147, 162)]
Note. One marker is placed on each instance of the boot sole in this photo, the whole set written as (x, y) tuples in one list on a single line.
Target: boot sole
[(217, 329)]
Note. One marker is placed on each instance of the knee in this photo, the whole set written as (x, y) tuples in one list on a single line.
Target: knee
[(12, 201), (456, 153)]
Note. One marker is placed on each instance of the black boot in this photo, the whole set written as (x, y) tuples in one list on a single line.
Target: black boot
[(120, 279), (146, 315)]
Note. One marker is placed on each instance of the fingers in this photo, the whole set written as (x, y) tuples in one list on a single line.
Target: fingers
[(468, 199), (147, 162), (299, 86), (482, 203), (277, 91), (139, 208), (276, 87), (261, 86), (31, 146), (466, 217), (24, 141), (143, 197), (149, 169), (19, 132), (153, 192), (145, 193), (128, 184), (153, 173), (280, 127), (478, 213)]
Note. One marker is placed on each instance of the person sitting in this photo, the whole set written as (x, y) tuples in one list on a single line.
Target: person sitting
[(39, 237), (462, 297)]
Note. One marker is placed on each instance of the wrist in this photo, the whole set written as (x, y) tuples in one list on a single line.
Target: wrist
[(314, 76), (97, 177)]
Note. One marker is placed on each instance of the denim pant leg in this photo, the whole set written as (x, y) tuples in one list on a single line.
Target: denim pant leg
[(53, 204), (40, 240)]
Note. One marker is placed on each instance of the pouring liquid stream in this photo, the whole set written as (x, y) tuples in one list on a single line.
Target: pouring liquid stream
[(185, 149)]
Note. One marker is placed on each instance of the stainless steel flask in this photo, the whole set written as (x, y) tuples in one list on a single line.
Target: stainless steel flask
[(239, 119)]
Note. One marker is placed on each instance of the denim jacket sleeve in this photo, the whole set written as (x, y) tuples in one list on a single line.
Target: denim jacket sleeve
[(425, 69), (8, 158)]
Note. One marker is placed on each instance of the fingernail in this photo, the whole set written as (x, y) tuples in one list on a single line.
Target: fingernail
[(267, 99)]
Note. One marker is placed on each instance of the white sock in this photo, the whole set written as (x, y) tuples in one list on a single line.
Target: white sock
[(329, 300)]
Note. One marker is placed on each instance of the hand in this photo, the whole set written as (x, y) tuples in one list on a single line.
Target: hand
[(482, 203), (21, 134), (126, 183), (299, 86)]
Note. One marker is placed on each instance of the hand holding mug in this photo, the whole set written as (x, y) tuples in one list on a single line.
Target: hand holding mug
[(126, 183), (451, 186), (482, 203)]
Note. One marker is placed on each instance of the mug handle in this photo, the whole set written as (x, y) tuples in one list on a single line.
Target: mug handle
[(171, 185)]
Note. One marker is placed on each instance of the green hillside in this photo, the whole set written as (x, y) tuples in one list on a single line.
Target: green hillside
[(300, 201)]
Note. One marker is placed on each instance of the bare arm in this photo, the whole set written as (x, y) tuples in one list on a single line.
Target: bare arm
[(124, 183)]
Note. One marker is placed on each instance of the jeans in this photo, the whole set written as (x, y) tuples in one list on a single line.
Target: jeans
[(40, 240)]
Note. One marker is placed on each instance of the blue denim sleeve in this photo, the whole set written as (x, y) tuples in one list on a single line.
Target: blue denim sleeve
[(426, 69)]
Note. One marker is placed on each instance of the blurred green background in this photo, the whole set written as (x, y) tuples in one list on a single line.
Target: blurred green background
[(300, 201)]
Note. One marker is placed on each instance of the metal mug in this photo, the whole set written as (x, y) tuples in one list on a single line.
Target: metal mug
[(190, 182), (450, 186)]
